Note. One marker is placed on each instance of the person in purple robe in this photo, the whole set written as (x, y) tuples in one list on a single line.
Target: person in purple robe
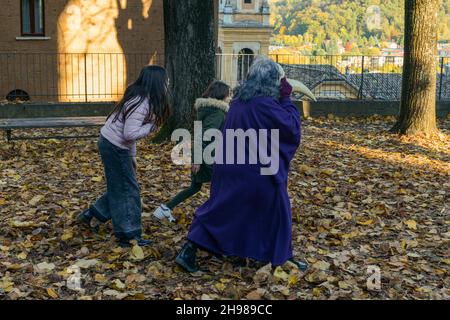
[(248, 213)]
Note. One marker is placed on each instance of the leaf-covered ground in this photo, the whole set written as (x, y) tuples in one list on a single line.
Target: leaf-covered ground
[(361, 197)]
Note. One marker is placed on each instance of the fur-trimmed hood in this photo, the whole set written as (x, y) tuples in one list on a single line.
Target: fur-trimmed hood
[(211, 103)]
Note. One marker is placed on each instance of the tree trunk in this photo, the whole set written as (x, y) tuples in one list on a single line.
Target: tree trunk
[(418, 101), (189, 57)]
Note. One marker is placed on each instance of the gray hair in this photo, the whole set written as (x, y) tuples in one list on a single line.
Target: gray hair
[(263, 80)]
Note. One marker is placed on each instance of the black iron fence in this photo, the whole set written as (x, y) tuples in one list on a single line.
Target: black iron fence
[(346, 77), (69, 77), (358, 77), (341, 77), (95, 77), (443, 85)]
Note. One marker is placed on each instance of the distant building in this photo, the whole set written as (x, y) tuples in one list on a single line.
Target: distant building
[(393, 56), (444, 51), (244, 32), (341, 48), (393, 45)]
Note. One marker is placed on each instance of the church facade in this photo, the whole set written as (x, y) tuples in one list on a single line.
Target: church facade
[(244, 32)]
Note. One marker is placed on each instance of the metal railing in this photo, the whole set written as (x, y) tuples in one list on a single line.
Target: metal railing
[(443, 85), (96, 77), (70, 77), (339, 77)]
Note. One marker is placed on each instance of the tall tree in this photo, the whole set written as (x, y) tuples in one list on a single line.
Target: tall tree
[(418, 101), (190, 35)]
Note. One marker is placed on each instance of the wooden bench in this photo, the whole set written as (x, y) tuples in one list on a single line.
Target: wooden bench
[(9, 124), (64, 115)]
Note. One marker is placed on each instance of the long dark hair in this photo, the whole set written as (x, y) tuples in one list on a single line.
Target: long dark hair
[(152, 84), (217, 90)]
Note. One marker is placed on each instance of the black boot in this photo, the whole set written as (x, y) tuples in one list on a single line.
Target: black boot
[(85, 217), (126, 243), (187, 256)]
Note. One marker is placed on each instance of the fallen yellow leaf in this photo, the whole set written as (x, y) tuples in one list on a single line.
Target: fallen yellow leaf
[(365, 223), (68, 234), (22, 256), (350, 235), (119, 285), (403, 244), (6, 284), (343, 285), (305, 169), (137, 253), (346, 215), (292, 280), (316, 292), (412, 224), (34, 201), (329, 189), (52, 293), (220, 286), (321, 265), (100, 278), (23, 224), (327, 172), (280, 274)]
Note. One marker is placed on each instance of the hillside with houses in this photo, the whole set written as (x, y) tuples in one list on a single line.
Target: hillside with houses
[(347, 27)]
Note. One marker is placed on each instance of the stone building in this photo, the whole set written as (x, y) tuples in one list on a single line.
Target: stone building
[(244, 31)]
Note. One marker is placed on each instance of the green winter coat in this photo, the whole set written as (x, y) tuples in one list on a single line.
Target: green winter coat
[(211, 112)]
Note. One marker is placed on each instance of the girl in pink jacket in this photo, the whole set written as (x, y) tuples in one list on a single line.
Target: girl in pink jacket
[(143, 108)]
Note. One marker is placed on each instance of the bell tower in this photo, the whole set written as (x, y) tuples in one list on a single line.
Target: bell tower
[(244, 32)]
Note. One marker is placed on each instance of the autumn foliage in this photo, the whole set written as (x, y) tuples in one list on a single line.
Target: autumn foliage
[(360, 198)]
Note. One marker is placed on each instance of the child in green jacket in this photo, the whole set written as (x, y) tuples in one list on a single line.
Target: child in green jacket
[(211, 110)]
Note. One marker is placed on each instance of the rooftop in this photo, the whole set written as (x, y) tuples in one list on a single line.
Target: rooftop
[(377, 86)]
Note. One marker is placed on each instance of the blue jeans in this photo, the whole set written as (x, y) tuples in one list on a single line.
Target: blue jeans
[(122, 201)]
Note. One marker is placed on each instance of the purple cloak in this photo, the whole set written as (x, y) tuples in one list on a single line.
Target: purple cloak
[(248, 215)]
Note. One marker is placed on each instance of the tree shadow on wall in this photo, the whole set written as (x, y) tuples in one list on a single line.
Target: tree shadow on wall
[(140, 34)]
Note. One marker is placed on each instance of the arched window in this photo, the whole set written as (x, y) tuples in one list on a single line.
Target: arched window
[(245, 60), (18, 95), (248, 4)]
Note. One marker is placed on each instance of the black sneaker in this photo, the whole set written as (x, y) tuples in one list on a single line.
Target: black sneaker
[(187, 257), (126, 243), (85, 218)]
